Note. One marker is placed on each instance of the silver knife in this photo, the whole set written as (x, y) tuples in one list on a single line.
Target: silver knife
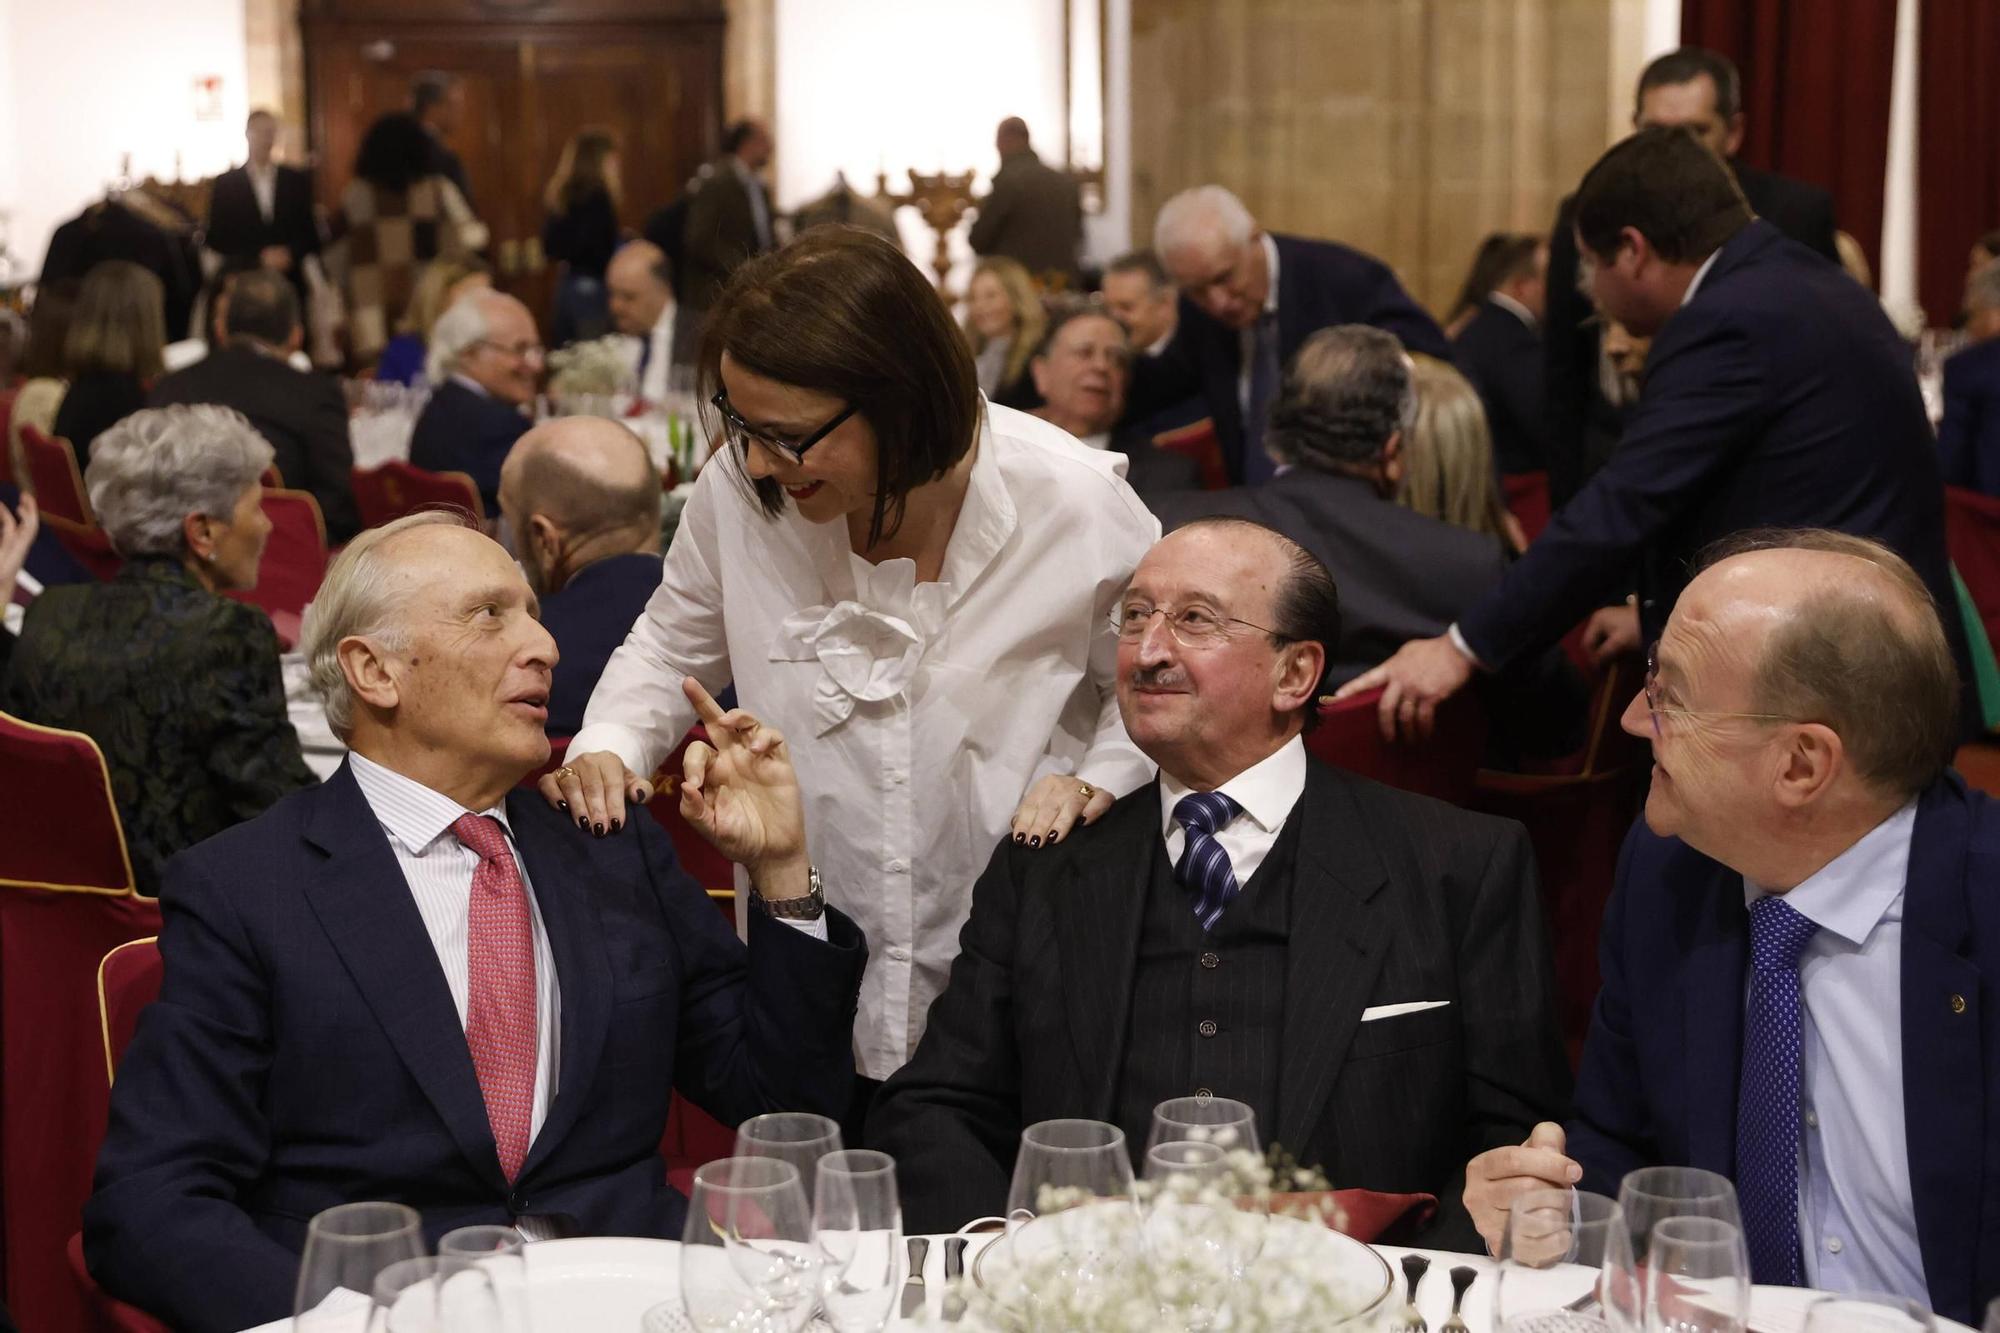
[(954, 1269), (913, 1285)]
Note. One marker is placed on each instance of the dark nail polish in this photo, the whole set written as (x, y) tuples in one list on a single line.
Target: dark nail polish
[(583, 822), (1020, 837), (617, 826), (563, 806), (600, 830), (1054, 838), (1034, 842)]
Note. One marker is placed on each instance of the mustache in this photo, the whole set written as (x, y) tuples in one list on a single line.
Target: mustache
[(1161, 677)]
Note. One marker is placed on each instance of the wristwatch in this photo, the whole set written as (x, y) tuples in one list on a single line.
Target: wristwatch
[(811, 907)]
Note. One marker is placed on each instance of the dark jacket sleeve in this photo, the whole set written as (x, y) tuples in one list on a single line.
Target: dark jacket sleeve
[(952, 1116), (1610, 1133), (164, 1229), (993, 210), (329, 460), (1390, 307), (1172, 377), (253, 757), (1958, 429)]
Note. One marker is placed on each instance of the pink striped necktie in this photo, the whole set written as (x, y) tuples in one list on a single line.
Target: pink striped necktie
[(500, 1020)]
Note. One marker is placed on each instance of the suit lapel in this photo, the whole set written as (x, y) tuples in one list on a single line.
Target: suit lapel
[(558, 868), (1098, 916), (1943, 1064), (1712, 998), (363, 904), (1339, 932)]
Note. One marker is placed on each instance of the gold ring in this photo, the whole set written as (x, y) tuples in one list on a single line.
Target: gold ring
[(1085, 790), (564, 772)]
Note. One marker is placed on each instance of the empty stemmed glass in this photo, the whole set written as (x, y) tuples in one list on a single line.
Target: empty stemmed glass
[(748, 1263), (347, 1247), (410, 1298), (798, 1137), (1230, 1125), (1199, 1237), (1869, 1312), (1697, 1277), (1566, 1266), (483, 1278), (858, 1227), (1653, 1194), (1070, 1210)]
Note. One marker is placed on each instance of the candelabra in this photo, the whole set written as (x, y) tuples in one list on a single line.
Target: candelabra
[(942, 198)]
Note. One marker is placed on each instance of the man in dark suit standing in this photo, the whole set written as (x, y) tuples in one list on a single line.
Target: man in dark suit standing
[(1500, 352), (302, 414), (1080, 371), (260, 215), (419, 984), (581, 498), (728, 221), (1366, 968), (1033, 213), (486, 360), (1796, 952), (1701, 91), (1776, 393), (1969, 434), (1248, 299)]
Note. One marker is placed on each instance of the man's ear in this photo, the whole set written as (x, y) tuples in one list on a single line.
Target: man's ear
[(1732, 142), (1039, 368), (1813, 759), (371, 675), (1300, 667), (545, 537)]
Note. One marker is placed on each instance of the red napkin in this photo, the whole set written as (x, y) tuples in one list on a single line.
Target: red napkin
[(1366, 1215)]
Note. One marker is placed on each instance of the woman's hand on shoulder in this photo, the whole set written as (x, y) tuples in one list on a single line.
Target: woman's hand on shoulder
[(593, 789), (1053, 806)]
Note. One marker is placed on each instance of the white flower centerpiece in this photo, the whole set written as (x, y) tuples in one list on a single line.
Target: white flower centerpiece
[(594, 369)]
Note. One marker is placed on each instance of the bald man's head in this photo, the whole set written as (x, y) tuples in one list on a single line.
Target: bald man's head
[(575, 490), (640, 285)]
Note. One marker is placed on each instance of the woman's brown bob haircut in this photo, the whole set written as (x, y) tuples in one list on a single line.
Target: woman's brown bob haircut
[(840, 311)]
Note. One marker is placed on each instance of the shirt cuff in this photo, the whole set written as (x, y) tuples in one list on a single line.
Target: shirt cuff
[(816, 928), (1458, 642)]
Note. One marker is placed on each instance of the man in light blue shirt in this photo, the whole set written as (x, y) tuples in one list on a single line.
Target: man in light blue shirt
[(1796, 950)]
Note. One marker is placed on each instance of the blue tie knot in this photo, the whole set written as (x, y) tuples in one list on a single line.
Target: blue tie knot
[(1204, 811), (1779, 933)]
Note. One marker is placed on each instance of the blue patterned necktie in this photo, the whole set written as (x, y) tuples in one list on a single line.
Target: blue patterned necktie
[(1767, 1104), (1204, 867), (1266, 373)]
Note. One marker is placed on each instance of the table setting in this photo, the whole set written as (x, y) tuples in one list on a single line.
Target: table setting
[(797, 1232)]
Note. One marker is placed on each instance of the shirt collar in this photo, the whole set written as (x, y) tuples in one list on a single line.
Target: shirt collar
[(1267, 790), (1271, 259), (1701, 273), (414, 815), (1514, 308), (467, 382), (1851, 893)]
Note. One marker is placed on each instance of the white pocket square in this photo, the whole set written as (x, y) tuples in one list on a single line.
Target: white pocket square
[(1397, 1010)]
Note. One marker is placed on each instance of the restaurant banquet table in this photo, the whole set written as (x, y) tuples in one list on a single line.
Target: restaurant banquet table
[(605, 1285)]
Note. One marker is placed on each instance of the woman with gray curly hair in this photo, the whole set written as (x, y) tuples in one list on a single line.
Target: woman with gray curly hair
[(178, 685)]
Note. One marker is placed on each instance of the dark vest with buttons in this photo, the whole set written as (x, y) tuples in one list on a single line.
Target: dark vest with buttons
[(1208, 1007)]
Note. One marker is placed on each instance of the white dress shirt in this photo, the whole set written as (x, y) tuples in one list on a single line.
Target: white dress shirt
[(1267, 791), (760, 202), (652, 385), (917, 714), (1514, 308), (1857, 1215), (264, 184), (438, 868)]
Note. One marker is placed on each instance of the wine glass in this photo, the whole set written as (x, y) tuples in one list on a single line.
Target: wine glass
[(1560, 1246), (347, 1247), (1070, 1209), (747, 1257), (405, 1298), (1231, 1125), (1869, 1312), (858, 1227), (1653, 1194), (1697, 1277), (797, 1137), (497, 1256), (1198, 1237)]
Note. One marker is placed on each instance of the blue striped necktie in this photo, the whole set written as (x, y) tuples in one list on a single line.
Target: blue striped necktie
[(1204, 867), (1768, 1097)]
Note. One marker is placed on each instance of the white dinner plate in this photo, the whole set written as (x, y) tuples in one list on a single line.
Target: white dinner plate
[(600, 1282)]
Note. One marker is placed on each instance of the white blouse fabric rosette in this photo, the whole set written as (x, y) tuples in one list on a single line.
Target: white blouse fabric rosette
[(917, 713)]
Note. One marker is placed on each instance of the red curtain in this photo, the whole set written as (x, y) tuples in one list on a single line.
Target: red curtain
[(1815, 93), (1958, 144)]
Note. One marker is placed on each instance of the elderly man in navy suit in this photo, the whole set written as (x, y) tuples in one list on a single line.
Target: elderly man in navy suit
[(1248, 299), (485, 364), (416, 983), (1796, 952), (1776, 394)]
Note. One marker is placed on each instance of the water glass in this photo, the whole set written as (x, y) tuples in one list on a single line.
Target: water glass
[(1697, 1277), (1653, 1194), (1066, 1163), (1198, 1236), (1561, 1245), (748, 1262), (405, 1298), (497, 1257), (1231, 1125), (858, 1227), (1871, 1312), (797, 1137), (347, 1247)]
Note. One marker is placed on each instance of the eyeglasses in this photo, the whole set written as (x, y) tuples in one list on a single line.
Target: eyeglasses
[(1655, 707), (741, 432), (521, 351), (1192, 626)]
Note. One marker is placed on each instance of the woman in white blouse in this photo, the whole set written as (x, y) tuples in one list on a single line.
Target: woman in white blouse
[(913, 586)]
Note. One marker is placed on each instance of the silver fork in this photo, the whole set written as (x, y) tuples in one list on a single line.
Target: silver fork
[(1462, 1278), (1411, 1320)]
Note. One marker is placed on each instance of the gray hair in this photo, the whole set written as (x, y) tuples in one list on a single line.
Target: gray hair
[(457, 331), (157, 466), (1982, 289), (1201, 211), (1348, 390), (355, 599)]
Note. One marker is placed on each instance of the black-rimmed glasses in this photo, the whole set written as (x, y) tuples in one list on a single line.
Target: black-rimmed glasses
[(741, 433)]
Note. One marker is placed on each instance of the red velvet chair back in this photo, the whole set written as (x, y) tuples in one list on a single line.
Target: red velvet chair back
[(1528, 500), (386, 493), (127, 981), (1972, 535), (294, 561), (1198, 441), (1445, 766), (65, 901), (52, 475)]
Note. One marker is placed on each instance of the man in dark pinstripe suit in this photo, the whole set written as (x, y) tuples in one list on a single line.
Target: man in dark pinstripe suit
[(1365, 967)]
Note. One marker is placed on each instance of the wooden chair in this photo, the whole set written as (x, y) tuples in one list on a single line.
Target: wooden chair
[(386, 493), (294, 561), (1199, 442), (51, 473), (66, 899), (1445, 766)]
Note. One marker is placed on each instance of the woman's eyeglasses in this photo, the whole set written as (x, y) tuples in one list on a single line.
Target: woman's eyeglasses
[(741, 433)]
